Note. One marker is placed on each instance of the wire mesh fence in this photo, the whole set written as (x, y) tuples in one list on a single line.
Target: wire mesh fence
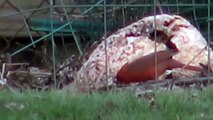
[(84, 22)]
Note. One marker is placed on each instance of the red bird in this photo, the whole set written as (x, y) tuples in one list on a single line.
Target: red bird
[(143, 68)]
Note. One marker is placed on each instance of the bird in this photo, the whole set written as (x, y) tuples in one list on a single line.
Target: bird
[(143, 68)]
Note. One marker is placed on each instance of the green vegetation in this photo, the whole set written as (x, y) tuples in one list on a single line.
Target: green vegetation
[(61, 105)]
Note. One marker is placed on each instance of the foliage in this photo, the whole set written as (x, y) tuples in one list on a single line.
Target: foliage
[(61, 105)]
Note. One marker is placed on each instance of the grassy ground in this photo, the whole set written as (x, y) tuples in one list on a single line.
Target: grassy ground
[(57, 105)]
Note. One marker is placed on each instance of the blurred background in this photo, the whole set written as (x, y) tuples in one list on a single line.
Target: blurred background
[(42, 32)]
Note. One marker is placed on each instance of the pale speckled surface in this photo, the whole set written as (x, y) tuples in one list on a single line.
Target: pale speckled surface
[(122, 49)]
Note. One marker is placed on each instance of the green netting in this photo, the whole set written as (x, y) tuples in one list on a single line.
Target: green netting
[(94, 18), (88, 16)]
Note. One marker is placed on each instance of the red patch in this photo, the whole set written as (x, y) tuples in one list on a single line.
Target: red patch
[(132, 35), (172, 46), (168, 23), (177, 27), (143, 68)]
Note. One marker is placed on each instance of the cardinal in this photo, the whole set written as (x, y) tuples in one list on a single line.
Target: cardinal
[(144, 68)]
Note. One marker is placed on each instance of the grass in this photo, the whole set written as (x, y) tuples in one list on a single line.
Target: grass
[(58, 105)]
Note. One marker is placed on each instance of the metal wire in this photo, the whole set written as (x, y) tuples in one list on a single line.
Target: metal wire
[(22, 27), (123, 14), (55, 30), (168, 7), (63, 43), (25, 22), (25, 11), (209, 41), (53, 43), (194, 15), (136, 5), (155, 39), (2, 5), (71, 28), (105, 41), (108, 5), (177, 7)]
